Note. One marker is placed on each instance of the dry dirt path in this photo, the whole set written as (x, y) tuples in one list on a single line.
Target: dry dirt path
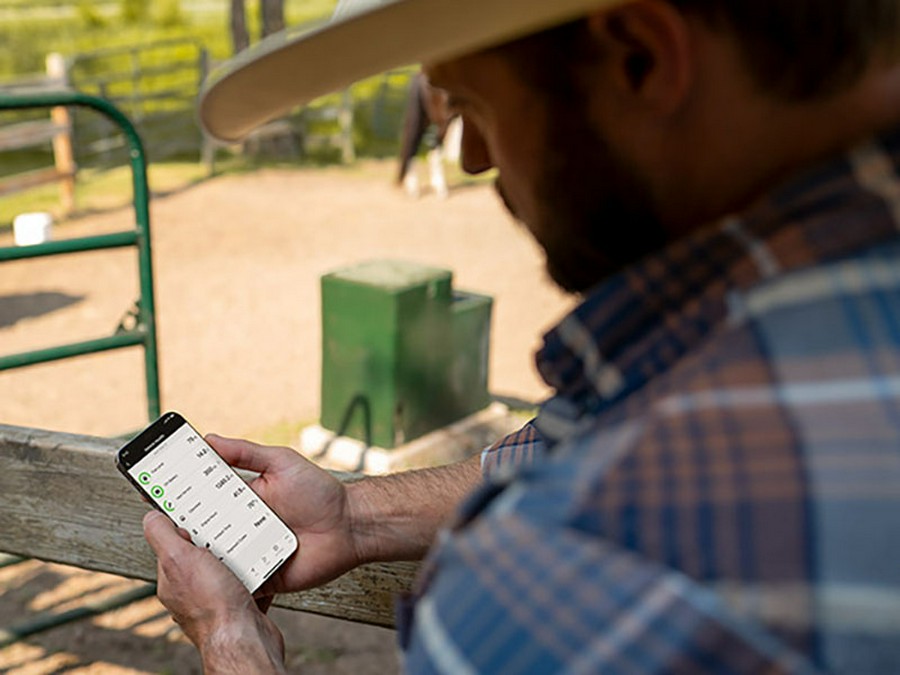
[(237, 262)]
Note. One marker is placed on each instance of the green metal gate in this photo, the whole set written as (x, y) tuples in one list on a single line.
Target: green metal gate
[(143, 332)]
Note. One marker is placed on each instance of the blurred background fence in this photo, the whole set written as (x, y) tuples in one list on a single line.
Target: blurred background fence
[(154, 84), (154, 78)]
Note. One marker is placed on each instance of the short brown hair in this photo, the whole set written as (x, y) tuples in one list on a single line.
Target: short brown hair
[(802, 49), (794, 49)]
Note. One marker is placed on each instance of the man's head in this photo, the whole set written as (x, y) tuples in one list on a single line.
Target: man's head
[(525, 113), (621, 131), (624, 125)]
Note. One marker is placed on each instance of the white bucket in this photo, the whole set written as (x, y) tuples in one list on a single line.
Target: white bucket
[(32, 228)]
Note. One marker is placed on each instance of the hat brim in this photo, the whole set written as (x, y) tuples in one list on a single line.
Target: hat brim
[(290, 69)]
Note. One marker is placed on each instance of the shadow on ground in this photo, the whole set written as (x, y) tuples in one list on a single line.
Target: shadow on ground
[(14, 308)]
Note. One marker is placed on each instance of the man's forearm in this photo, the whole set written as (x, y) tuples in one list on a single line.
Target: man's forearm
[(395, 517)]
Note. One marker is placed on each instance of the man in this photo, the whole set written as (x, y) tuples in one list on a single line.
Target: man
[(715, 485)]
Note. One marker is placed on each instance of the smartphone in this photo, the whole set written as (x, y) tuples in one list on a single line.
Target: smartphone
[(181, 475)]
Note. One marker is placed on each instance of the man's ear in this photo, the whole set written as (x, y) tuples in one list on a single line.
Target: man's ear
[(646, 47)]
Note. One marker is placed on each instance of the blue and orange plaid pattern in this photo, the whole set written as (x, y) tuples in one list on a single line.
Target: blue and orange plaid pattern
[(716, 485)]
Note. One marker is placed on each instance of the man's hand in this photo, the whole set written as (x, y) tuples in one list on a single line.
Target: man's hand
[(211, 605), (338, 526), (342, 525), (312, 502)]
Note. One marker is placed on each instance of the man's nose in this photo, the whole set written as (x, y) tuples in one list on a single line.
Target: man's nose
[(474, 155)]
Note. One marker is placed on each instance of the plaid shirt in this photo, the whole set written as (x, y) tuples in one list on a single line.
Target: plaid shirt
[(716, 485)]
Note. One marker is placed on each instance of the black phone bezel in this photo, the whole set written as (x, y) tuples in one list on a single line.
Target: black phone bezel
[(148, 439), (141, 445)]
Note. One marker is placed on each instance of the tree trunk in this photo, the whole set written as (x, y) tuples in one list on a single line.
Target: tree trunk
[(240, 38), (272, 12)]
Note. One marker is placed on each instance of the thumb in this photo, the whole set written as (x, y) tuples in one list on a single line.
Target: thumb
[(162, 535)]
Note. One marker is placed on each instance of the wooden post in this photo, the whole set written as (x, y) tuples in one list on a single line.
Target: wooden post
[(207, 142), (240, 37), (63, 155), (271, 16), (345, 120)]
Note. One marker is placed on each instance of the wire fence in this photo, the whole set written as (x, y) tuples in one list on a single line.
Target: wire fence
[(155, 85)]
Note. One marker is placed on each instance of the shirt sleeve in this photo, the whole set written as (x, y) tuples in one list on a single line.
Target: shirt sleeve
[(520, 448), (508, 595)]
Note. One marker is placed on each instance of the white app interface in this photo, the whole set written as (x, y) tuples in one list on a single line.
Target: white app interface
[(203, 495)]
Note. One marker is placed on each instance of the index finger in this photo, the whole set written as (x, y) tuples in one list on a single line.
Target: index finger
[(247, 455)]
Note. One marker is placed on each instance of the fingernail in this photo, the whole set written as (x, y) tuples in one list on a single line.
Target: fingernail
[(150, 515)]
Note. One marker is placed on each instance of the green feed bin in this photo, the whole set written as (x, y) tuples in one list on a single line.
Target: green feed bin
[(402, 352)]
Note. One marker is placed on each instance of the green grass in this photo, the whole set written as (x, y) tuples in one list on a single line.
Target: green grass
[(98, 191), (379, 101), (27, 37), (101, 191)]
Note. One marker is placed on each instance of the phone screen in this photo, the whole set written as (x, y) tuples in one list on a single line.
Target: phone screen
[(190, 483)]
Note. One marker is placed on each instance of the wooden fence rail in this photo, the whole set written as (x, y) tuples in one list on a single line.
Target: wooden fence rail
[(33, 133), (63, 500)]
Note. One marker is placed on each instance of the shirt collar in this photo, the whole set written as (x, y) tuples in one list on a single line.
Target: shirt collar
[(635, 325)]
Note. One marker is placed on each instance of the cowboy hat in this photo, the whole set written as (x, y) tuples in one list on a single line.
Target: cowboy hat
[(363, 38)]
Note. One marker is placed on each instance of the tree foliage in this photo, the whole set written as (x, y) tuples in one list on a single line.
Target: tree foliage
[(88, 15), (134, 11), (169, 14)]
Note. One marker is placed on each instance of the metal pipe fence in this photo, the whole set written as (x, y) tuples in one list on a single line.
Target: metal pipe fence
[(143, 332)]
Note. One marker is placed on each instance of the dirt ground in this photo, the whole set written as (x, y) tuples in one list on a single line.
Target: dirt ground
[(237, 264)]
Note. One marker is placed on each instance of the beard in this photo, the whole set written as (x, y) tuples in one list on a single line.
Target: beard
[(594, 215)]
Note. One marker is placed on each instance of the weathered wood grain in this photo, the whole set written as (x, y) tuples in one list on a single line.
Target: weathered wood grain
[(24, 181), (62, 500), (28, 134)]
